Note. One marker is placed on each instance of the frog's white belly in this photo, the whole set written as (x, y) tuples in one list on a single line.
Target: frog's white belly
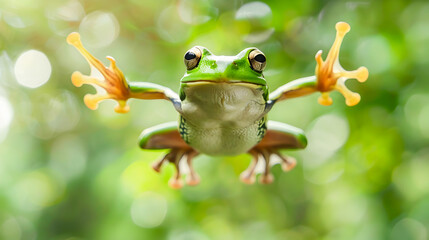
[(222, 118)]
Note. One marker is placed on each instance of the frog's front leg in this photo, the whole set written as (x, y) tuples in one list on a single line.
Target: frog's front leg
[(329, 76), (167, 136), (115, 84)]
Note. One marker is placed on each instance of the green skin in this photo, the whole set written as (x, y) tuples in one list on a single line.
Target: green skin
[(223, 105)]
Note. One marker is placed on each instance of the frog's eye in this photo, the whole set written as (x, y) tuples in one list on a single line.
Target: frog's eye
[(192, 58), (257, 60)]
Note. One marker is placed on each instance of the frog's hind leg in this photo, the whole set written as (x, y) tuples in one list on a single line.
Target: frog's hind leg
[(248, 176), (278, 136), (167, 136)]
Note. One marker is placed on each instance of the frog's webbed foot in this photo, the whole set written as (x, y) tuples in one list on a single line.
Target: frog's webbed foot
[(331, 75), (248, 176), (177, 156), (269, 157), (114, 81)]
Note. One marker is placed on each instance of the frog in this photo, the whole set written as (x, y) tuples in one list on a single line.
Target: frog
[(223, 104)]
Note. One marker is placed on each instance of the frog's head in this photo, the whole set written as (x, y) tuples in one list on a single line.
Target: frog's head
[(245, 67)]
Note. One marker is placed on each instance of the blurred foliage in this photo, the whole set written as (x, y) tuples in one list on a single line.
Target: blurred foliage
[(70, 173)]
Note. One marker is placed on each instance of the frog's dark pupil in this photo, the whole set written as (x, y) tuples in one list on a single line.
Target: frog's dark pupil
[(260, 58), (190, 55)]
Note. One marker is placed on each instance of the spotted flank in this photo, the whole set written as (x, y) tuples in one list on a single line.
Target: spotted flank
[(183, 130), (262, 128)]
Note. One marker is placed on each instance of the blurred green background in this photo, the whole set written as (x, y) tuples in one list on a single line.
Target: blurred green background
[(69, 173)]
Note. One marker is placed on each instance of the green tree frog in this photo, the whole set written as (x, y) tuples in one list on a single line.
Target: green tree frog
[(223, 104)]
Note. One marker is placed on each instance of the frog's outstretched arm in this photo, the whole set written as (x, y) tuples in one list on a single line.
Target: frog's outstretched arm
[(115, 84), (329, 76)]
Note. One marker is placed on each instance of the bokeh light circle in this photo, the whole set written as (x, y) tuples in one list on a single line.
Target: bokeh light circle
[(194, 12), (256, 17), (68, 157), (170, 26), (416, 113), (329, 133), (70, 11), (408, 228), (149, 210), (32, 69), (6, 116), (99, 29), (254, 10), (11, 230), (376, 53), (187, 235), (36, 190)]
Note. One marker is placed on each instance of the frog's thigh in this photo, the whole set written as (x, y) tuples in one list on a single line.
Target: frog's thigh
[(162, 136), (167, 136), (282, 136)]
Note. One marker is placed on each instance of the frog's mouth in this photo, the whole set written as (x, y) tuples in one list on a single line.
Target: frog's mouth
[(232, 82)]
